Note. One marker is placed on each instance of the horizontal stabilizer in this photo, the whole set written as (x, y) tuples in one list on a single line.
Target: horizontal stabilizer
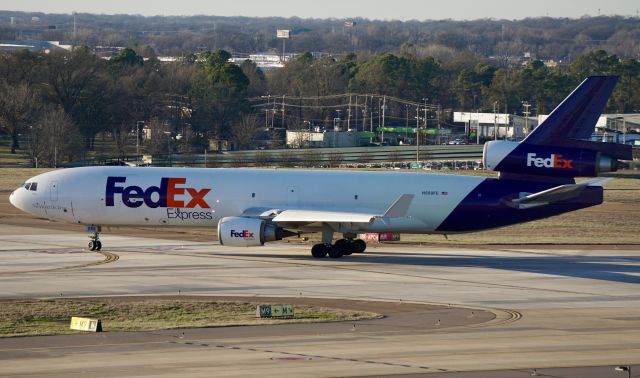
[(556, 194)]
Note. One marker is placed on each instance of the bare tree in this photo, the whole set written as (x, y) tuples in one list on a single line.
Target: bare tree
[(17, 107), (55, 139), (158, 140), (246, 131)]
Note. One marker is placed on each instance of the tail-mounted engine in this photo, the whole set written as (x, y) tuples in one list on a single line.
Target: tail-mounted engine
[(248, 232), (587, 159)]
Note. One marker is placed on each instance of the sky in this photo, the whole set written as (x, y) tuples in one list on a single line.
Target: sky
[(340, 9)]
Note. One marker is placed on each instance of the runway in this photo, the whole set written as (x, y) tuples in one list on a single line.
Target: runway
[(451, 311)]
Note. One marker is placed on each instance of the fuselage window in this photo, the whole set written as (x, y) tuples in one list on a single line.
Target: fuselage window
[(26, 185), (34, 186)]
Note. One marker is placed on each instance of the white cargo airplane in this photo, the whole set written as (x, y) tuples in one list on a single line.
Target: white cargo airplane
[(254, 206)]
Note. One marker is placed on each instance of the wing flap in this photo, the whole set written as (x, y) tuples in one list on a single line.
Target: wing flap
[(313, 216), (398, 209)]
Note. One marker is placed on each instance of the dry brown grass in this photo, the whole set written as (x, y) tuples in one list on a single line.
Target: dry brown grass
[(48, 317)]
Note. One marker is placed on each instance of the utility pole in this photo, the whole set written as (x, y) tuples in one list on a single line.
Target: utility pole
[(364, 114), (495, 120), (356, 112), (283, 110), (526, 113), (384, 108), (425, 99), (506, 120), (349, 115), (438, 117), (273, 111), (417, 135)]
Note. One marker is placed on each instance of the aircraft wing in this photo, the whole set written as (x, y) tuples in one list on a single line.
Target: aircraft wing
[(398, 209), (556, 194)]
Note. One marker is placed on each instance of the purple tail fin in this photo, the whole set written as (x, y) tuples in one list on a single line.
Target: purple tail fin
[(577, 115)]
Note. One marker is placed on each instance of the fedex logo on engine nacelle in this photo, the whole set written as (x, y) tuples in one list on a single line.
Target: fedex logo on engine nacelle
[(170, 193), (241, 234), (553, 161)]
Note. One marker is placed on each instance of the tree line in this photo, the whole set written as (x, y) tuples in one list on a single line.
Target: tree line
[(60, 102), (561, 39)]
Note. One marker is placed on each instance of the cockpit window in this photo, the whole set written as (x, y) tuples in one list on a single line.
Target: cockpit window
[(32, 186)]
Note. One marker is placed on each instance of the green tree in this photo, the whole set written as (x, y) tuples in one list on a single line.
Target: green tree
[(219, 95), (128, 57)]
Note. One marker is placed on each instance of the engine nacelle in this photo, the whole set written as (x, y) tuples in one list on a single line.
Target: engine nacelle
[(247, 232), (522, 158)]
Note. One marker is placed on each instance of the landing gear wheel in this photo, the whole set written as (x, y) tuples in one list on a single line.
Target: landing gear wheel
[(344, 245), (319, 251), (359, 246), (94, 243), (335, 252)]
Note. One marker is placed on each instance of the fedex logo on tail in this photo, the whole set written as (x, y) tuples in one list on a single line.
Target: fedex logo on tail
[(171, 193), (553, 161)]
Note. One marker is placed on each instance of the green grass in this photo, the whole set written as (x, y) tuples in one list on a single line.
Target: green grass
[(52, 317)]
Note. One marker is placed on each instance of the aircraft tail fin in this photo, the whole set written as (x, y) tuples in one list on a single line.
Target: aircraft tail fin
[(577, 114)]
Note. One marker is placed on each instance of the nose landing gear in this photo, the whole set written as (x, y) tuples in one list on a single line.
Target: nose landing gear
[(94, 243)]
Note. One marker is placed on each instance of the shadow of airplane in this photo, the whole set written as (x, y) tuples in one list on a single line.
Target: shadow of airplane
[(623, 269)]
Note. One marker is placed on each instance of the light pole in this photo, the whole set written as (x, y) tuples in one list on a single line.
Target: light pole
[(168, 133), (138, 136)]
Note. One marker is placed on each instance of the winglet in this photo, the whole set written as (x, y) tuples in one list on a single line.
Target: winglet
[(400, 207)]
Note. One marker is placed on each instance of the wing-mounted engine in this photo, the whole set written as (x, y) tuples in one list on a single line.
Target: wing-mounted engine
[(560, 161), (249, 232)]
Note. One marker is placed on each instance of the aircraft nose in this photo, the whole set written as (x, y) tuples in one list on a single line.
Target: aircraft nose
[(14, 199)]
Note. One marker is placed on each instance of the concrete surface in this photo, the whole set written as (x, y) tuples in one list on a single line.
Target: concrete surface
[(553, 308)]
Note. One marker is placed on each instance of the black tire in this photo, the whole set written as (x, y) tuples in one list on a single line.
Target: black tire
[(98, 245), (345, 246), (319, 251), (92, 245), (359, 246), (335, 253)]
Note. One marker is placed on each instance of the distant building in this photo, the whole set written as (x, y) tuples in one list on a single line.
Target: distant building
[(33, 46), (617, 128), (304, 138)]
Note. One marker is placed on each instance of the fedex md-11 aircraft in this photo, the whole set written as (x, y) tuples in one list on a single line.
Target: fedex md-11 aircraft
[(254, 206)]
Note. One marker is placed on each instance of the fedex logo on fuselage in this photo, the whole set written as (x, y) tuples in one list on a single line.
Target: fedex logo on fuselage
[(170, 193), (553, 161)]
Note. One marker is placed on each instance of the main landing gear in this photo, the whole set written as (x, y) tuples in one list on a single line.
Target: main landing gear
[(94, 243), (341, 247)]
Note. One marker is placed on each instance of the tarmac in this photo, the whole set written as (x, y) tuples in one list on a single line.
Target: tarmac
[(450, 311)]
